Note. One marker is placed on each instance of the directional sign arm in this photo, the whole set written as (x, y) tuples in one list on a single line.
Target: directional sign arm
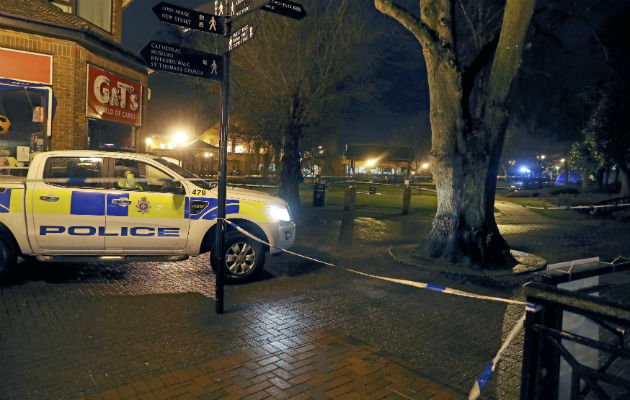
[(189, 19), (285, 8), (180, 60), (240, 8)]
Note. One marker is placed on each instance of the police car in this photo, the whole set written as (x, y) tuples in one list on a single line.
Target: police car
[(82, 205)]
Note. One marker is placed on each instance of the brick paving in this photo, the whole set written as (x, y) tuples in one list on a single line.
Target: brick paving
[(148, 330), (321, 364)]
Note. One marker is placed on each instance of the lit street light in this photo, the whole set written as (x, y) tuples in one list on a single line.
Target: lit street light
[(180, 137)]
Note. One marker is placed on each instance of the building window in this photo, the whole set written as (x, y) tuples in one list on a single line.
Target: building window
[(106, 135), (97, 12), (22, 124)]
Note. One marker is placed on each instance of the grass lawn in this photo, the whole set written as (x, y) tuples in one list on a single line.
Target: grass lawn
[(387, 196), (425, 201)]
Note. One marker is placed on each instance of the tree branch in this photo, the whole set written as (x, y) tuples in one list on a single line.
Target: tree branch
[(426, 36), (471, 71), (507, 61)]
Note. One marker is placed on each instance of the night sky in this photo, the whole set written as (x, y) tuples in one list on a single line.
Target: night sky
[(385, 118), (570, 51)]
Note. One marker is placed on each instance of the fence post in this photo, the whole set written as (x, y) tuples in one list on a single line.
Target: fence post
[(531, 356), (407, 192)]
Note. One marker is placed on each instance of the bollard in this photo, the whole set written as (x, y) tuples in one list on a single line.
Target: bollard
[(406, 200), (350, 198)]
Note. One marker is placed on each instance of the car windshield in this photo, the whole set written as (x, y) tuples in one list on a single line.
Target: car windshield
[(187, 174)]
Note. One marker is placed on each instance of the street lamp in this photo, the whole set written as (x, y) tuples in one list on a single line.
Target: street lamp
[(180, 137), (148, 142)]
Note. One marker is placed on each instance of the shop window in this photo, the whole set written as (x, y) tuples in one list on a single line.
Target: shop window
[(107, 135), (23, 125), (98, 12)]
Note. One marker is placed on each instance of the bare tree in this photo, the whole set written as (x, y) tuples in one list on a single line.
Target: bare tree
[(293, 75), (469, 112)]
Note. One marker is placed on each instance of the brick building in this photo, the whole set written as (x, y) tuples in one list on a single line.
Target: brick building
[(66, 82)]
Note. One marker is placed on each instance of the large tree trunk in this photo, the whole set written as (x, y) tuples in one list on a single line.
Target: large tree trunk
[(464, 228), (466, 147), (291, 174), (625, 181)]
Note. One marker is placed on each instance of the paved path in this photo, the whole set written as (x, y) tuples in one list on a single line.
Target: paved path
[(148, 330)]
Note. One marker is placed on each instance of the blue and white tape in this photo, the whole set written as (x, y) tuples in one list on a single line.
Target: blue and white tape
[(421, 285), (582, 207), (489, 371)]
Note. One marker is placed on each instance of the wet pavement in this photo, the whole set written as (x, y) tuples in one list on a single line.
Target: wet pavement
[(304, 330)]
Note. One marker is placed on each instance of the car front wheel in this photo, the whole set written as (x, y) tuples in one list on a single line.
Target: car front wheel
[(8, 255), (243, 258)]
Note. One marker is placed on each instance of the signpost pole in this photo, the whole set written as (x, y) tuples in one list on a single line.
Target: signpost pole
[(191, 62), (223, 138)]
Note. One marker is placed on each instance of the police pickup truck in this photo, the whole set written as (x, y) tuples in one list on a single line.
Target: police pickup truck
[(82, 205)]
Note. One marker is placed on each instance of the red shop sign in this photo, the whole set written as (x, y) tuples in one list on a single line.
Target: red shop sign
[(113, 98)]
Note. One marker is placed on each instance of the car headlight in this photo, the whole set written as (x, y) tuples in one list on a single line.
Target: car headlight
[(280, 213)]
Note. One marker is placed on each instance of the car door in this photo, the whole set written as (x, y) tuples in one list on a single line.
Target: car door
[(68, 206), (146, 212)]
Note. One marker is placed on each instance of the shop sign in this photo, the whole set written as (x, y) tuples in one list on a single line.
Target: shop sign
[(26, 66), (113, 98)]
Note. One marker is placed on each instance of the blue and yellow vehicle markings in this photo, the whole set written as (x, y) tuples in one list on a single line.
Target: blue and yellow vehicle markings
[(255, 209), (157, 205), (59, 207), (11, 200), (5, 201), (211, 210), (115, 210), (87, 203)]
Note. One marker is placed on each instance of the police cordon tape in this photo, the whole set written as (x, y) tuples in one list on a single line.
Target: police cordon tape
[(582, 207), (482, 381), (80, 181), (579, 207), (487, 373)]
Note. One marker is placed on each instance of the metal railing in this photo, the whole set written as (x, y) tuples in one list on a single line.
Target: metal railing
[(577, 341)]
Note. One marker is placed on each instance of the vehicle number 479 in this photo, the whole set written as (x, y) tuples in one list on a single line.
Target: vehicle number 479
[(199, 192)]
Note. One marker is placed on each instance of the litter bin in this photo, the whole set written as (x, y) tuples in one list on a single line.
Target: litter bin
[(319, 194), (372, 190)]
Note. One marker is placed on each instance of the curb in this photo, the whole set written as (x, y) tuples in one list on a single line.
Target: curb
[(406, 254)]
